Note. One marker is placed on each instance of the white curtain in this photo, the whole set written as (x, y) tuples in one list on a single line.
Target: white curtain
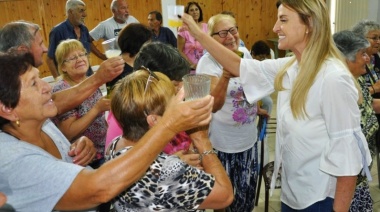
[(347, 13)]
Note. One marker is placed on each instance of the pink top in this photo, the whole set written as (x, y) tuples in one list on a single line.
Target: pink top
[(180, 142), (192, 49)]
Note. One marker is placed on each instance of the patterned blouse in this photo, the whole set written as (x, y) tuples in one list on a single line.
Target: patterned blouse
[(368, 120), (96, 132), (168, 185)]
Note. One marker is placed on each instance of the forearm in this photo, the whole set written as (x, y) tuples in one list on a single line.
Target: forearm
[(93, 187), (345, 188), (73, 128), (219, 92), (52, 67), (66, 100), (96, 52), (222, 193), (376, 105), (227, 58)]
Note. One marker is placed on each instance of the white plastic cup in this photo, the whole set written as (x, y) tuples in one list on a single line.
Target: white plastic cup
[(173, 12), (196, 86), (111, 48)]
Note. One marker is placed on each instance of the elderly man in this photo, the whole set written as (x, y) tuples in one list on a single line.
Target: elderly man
[(111, 27), (160, 33), (21, 36), (72, 28)]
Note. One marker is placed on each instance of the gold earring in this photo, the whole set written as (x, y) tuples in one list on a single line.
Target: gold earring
[(18, 123)]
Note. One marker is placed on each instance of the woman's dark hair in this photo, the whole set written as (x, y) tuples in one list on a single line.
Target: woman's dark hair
[(164, 58), (12, 66), (132, 37), (260, 47), (187, 8)]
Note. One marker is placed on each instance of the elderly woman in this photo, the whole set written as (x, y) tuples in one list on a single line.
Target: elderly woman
[(371, 31), (138, 103), (88, 118), (354, 49), (319, 142), (189, 47), (34, 155), (233, 130)]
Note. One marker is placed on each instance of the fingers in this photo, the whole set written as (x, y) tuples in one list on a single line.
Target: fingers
[(191, 159), (85, 158), (83, 151)]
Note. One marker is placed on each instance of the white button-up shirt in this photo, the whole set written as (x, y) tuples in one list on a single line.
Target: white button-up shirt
[(315, 150)]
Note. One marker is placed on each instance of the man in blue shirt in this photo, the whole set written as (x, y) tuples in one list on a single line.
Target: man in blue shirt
[(160, 33), (71, 28)]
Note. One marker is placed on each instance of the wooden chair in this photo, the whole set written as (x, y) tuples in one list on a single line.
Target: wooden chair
[(266, 172)]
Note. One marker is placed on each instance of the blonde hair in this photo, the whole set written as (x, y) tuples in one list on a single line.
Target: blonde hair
[(131, 104), (320, 46), (216, 19), (63, 49)]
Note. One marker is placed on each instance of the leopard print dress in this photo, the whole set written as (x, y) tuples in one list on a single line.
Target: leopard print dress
[(168, 185)]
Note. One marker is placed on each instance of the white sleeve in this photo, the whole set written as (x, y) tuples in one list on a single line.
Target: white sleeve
[(98, 32), (257, 77), (342, 155), (208, 65)]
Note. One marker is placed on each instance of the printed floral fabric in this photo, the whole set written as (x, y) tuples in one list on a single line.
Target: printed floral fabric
[(96, 132), (242, 111), (368, 121)]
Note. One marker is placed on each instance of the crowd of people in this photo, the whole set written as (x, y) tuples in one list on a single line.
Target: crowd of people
[(155, 152)]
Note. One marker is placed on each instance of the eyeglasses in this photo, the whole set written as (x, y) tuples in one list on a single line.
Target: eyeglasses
[(75, 58), (374, 38), (148, 82), (224, 33), (150, 78)]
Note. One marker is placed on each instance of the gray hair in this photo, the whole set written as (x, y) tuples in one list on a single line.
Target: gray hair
[(364, 27), (114, 5), (350, 43), (72, 4), (17, 33)]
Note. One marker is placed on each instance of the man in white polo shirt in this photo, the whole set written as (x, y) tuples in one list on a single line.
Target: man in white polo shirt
[(111, 27)]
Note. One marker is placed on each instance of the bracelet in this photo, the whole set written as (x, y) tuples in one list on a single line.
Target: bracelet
[(207, 152), (373, 88)]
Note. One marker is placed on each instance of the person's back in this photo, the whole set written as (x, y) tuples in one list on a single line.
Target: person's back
[(138, 102)]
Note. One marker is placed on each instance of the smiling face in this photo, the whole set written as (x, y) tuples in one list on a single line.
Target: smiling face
[(194, 12), (230, 41), (357, 67), (292, 32), (75, 65), (35, 98), (373, 37)]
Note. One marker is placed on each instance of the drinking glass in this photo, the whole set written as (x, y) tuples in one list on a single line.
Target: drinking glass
[(173, 12), (196, 86), (111, 48)]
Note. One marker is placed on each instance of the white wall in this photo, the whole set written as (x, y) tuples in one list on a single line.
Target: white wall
[(373, 10), (164, 6)]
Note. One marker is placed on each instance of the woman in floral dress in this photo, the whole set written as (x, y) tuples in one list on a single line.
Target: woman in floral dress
[(233, 130), (88, 118)]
